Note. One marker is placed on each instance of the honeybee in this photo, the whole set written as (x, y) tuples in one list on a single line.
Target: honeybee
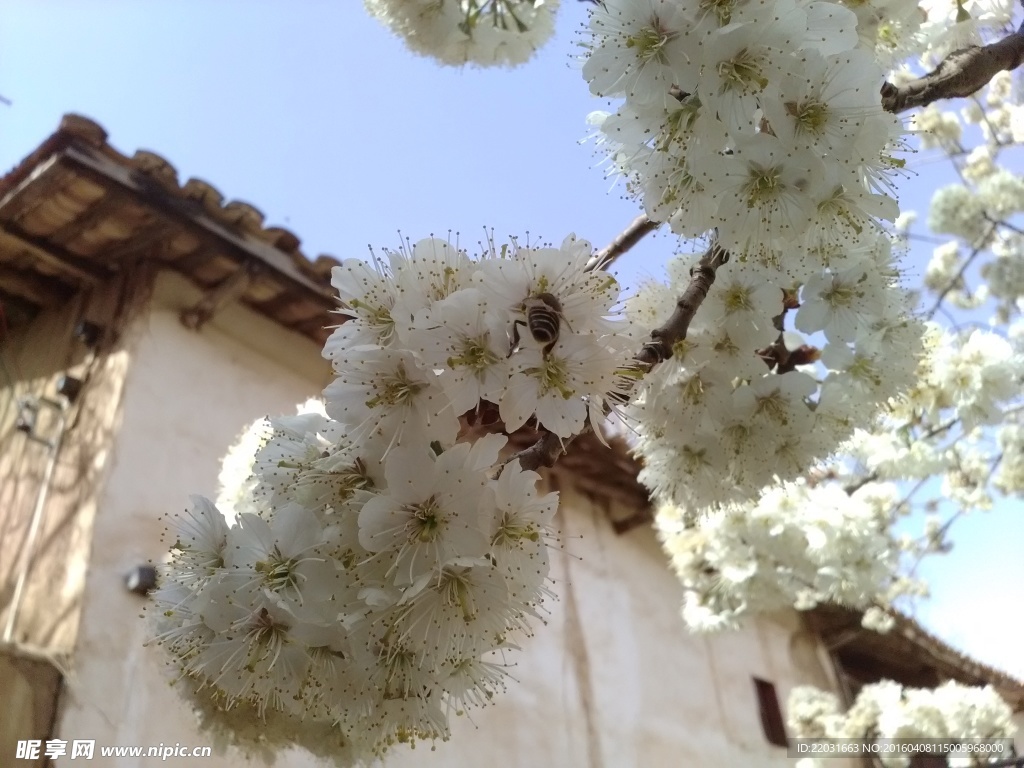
[(543, 319)]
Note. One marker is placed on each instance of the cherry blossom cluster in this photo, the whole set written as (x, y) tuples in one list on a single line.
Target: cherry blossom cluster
[(797, 545), (377, 570), (979, 211), (967, 381), (999, 115), (481, 32), (762, 121), (961, 421), (895, 30), (355, 605), (946, 27), (886, 710), (890, 29), (955, 421), (433, 333), (726, 416), (811, 541)]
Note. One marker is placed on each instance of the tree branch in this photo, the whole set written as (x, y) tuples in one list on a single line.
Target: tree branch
[(702, 276), (960, 74), (777, 356), (639, 228), (546, 451), (956, 280)]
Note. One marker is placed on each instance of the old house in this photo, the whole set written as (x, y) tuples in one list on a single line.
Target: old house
[(143, 323)]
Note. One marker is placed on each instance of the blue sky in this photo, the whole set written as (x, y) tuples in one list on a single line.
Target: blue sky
[(316, 115)]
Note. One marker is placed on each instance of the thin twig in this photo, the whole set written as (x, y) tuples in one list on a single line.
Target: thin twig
[(960, 74), (958, 277), (1006, 225), (859, 483), (938, 430)]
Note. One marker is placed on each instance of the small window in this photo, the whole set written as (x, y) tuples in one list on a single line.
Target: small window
[(772, 724)]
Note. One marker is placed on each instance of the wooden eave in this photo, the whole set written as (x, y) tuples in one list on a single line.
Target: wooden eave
[(907, 654), (77, 211)]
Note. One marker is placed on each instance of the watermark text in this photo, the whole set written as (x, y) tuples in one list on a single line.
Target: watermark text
[(86, 749), (977, 748)]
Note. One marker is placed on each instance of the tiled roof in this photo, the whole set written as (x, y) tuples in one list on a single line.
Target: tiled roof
[(907, 653), (76, 210)]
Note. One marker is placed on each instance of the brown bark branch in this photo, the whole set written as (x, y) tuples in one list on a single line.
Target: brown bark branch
[(702, 276), (639, 228), (546, 451), (960, 74)]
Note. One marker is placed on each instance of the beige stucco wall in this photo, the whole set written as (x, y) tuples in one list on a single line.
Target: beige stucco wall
[(612, 681), (615, 680), (187, 396)]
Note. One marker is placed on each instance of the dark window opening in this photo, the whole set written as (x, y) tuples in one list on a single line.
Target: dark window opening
[(772, 724)]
